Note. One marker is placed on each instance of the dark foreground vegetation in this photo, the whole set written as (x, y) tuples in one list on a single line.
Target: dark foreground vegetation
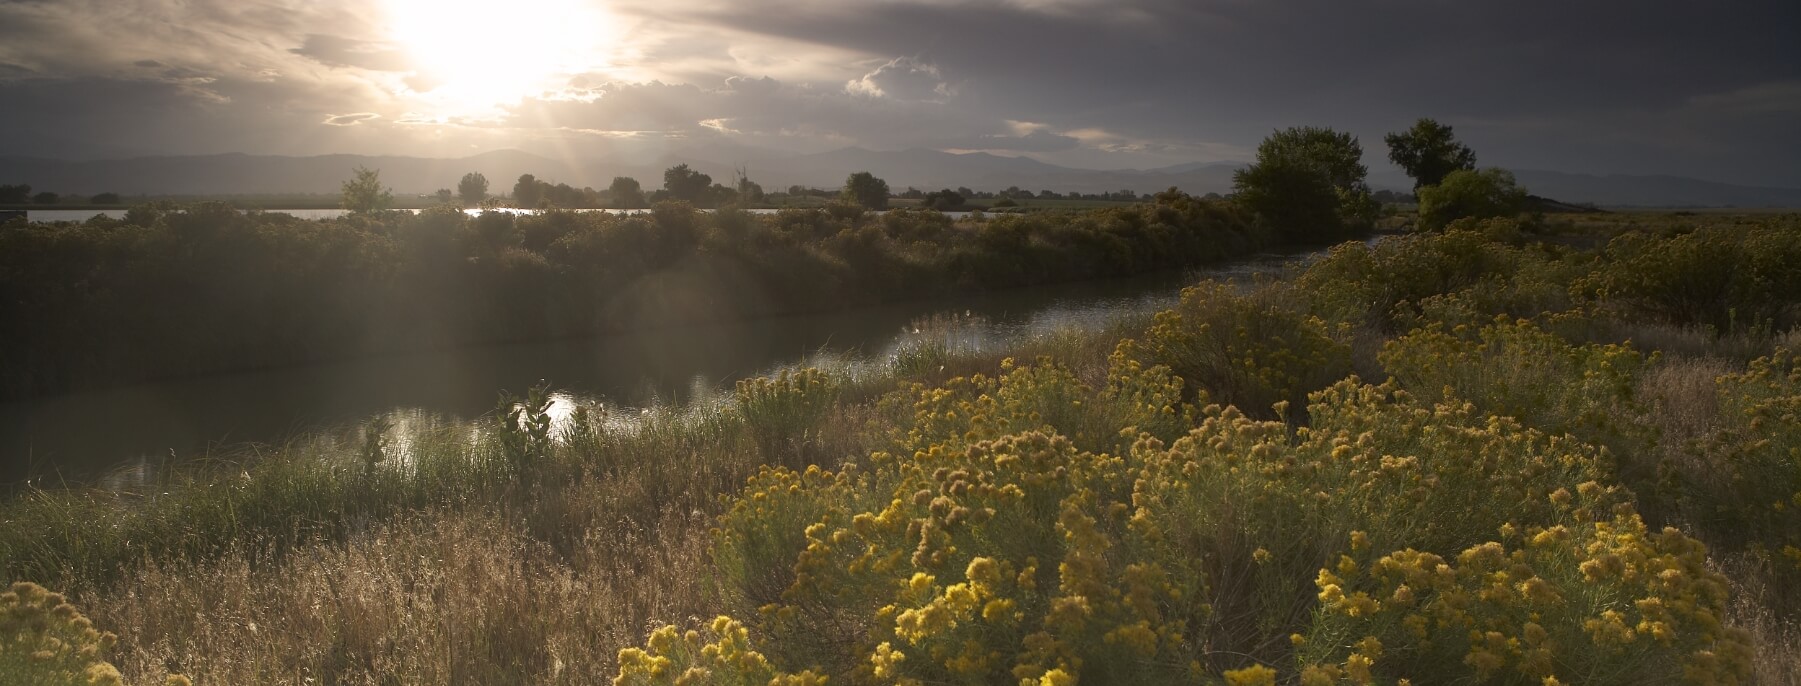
[(207, 288), (1497, 453)]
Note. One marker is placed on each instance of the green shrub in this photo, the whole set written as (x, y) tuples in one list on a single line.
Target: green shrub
[(1384, 284), (1470, 194), (1733, 280), (523, 430)]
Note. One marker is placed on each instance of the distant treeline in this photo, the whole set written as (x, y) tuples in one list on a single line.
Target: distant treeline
[(207, 288)]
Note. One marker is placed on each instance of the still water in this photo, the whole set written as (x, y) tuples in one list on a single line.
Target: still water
[(83, 435), (45, 216)]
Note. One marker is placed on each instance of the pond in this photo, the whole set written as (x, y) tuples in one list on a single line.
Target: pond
[(80, 436)]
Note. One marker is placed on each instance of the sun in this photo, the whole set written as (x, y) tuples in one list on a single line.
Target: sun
[(474, 56)]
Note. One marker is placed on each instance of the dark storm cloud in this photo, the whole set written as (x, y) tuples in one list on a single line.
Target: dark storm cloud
[(1705, 89), (1230, 71)]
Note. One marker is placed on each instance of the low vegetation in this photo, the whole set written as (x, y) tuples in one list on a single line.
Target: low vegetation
[(1485, 453)]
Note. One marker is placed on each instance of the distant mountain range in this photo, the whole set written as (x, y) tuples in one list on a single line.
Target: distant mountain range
[(923, 169)]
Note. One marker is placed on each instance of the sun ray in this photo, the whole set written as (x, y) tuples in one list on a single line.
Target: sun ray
[(472, 57)]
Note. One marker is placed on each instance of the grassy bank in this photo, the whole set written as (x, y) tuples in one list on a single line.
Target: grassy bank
[(1483, 455), (206, 288)]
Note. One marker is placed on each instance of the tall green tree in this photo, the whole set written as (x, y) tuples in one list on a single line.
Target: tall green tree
[(364, 192), (473, 189), (863, 188), (528, 191), (627, 193), (1308, 184), (684, 183), (1428, 152)]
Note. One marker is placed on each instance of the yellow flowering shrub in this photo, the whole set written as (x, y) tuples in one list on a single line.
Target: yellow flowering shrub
[(995, 554), (1247, 350), (721, 656), (45, 640), (1004, 558), (785, 411), (1048, 395), (1582, 601), (1747, 495), (762, 532), (1261, 505), (1515, 368), (1383, 283)]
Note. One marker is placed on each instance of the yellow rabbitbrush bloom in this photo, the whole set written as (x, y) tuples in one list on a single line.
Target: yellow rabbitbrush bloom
[(675, 658), (45, 640), (1536, 611), (985, 546)]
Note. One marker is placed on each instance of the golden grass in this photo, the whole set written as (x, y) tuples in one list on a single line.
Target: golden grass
[(432, 598)]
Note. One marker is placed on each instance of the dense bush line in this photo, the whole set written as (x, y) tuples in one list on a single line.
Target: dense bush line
[(207, 288)]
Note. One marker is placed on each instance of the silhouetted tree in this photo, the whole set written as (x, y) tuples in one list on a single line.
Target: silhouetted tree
[(46, 198), (1308, 185), (1466, 193), (473, 189), (748, 190), (687, 184), (364, 192), (946, 199), (527, 191), (15, 194), (863, 188), (105, 199), (627, 193), (444, 196), (1428, 152)]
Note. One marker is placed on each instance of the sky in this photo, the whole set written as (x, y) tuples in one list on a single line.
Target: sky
[(1707, 90)]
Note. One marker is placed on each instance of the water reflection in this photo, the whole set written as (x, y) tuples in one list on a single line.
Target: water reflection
[(44, 216), (128, 433)]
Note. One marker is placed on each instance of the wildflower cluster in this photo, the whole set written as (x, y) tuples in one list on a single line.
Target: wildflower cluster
[(45, 640), (1249, 350), (1581, 601), (1136, 399), (1262, 502), (1515, 368), (999, 550), (723, 656), (788, 407)]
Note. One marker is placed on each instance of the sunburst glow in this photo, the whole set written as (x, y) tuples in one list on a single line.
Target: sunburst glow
[(473, 56)]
